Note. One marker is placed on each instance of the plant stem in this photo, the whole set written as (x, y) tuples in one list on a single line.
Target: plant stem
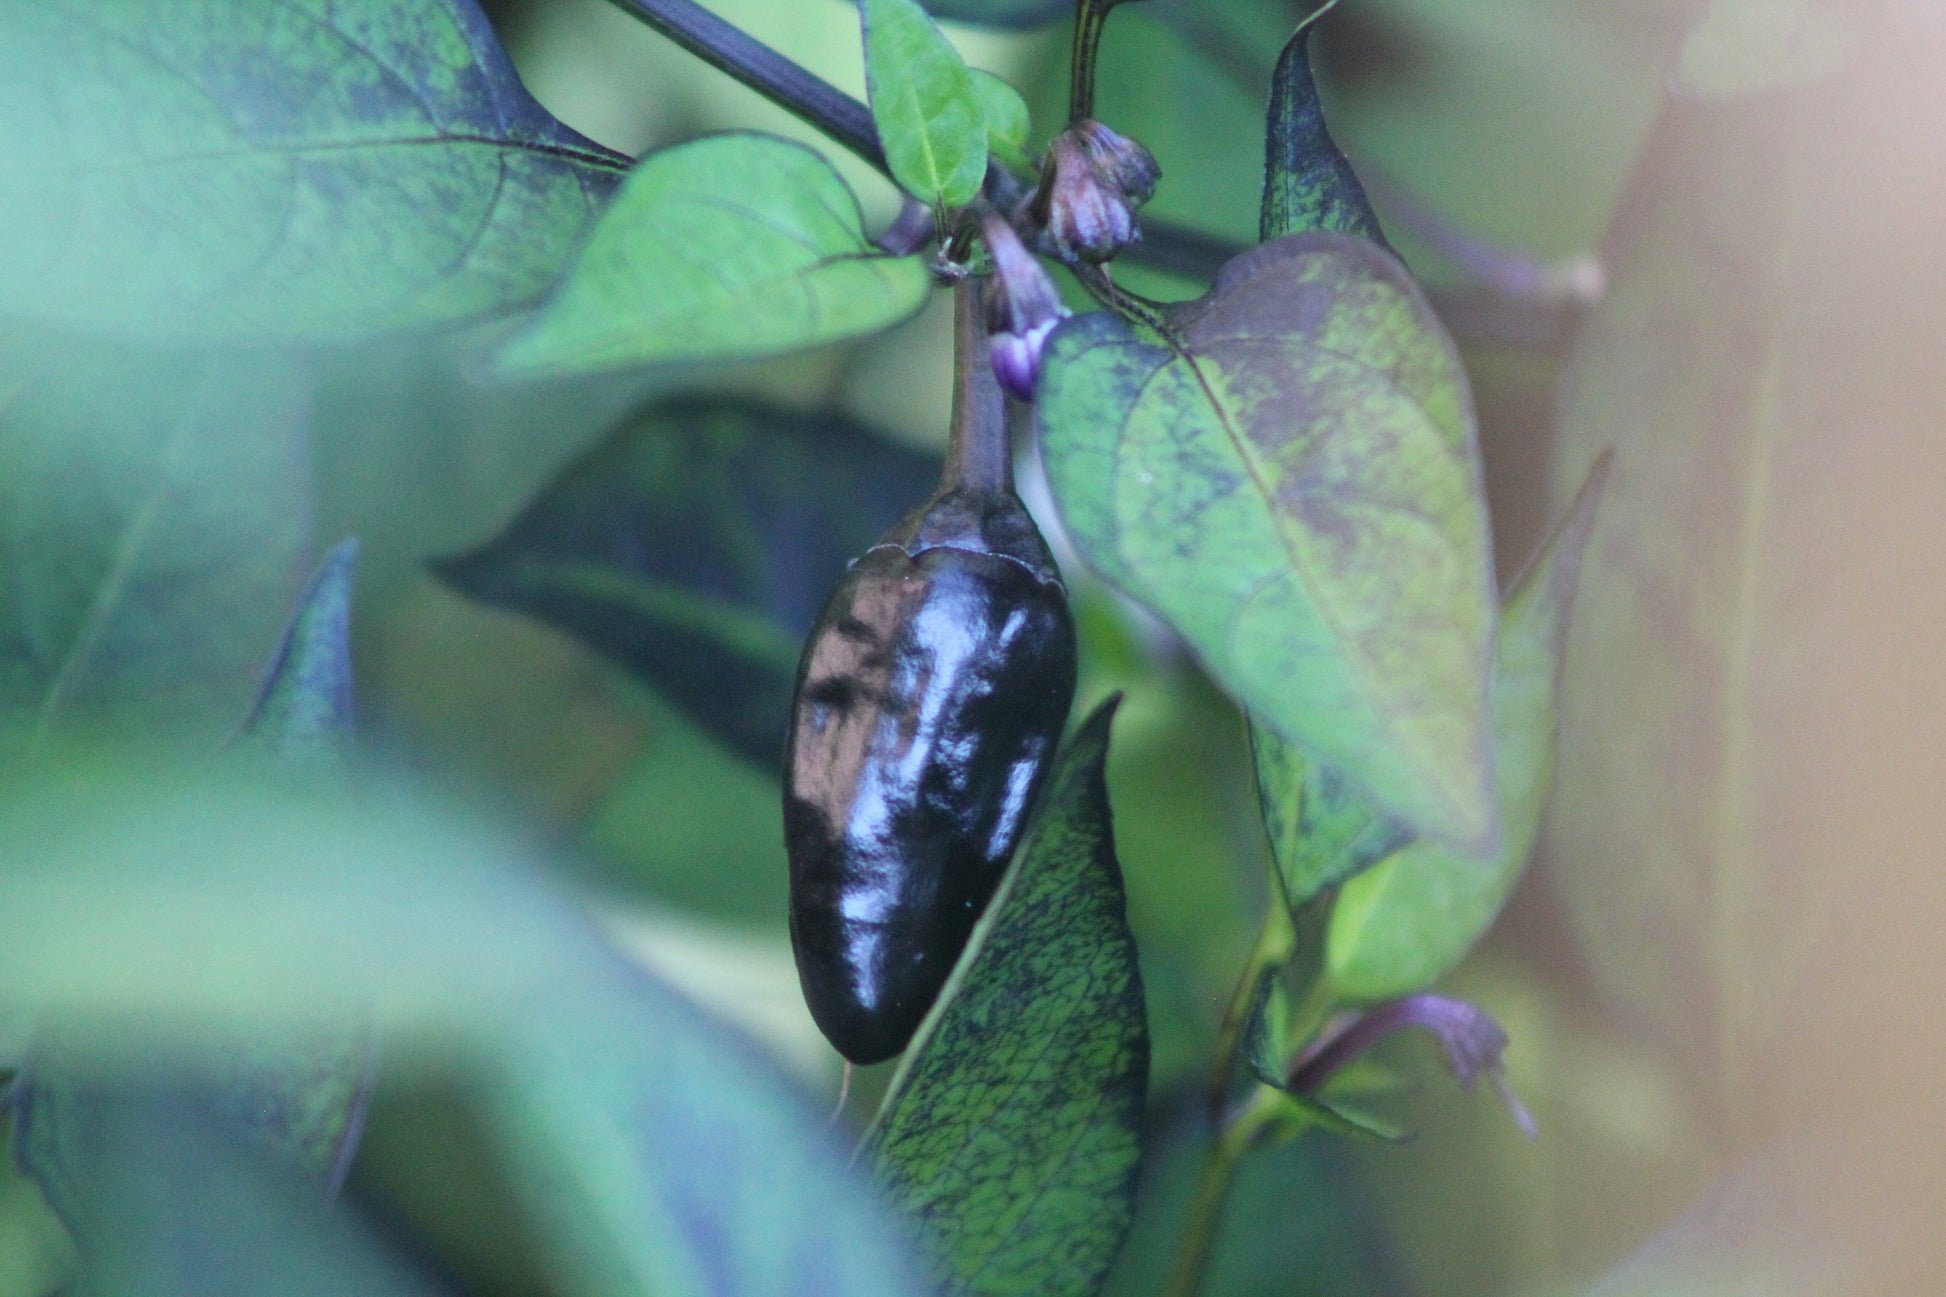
[(1276, 942), (791, 86), (1088, 21), (979, 453), (1213, 1191)]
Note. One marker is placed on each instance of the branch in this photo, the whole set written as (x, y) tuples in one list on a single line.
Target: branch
[(791, 86)]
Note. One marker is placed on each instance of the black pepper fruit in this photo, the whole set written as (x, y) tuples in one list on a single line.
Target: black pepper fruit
[(930, 699)]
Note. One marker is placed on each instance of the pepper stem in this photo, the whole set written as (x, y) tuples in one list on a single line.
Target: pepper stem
[(979, 453)]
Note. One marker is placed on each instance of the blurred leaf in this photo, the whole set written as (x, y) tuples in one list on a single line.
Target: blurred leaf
[(929, 115), (1298, 1113), (304, 711), (1300, 1221), (1008, 124), (154, 509), (1742, 46), (204, 169), (1001, 13), (733, 245), (161, 910), (696, 547), (1011, 1135), (1745, 836), (658, 1156), (1294, 486), (1309, 184), (162, 1201), (1403, 924)]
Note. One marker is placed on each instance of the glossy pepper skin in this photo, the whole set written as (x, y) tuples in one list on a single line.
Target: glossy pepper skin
[(930, 699)]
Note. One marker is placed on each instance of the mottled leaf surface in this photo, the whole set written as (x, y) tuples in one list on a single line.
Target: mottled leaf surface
[(697, 545), (727, 246), (1012, 1135), (1293, 484), (1321, 830), (292, 168), (1401, 925), (930, 117), (154, 512), (1309, 184)]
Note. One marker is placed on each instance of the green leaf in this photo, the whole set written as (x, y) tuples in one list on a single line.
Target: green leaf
[(733, 245), (1308, 182), (1402, 925), (158, 910), (697, 545), (1001, 13), (1007, 120), (161, 1199), (1294, 486), (204, 169), (304, 711), (155, 507), (928, 111), (1321, 831), (1011, 1136)]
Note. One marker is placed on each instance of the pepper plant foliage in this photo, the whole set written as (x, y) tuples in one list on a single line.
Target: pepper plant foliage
[(236, 915)]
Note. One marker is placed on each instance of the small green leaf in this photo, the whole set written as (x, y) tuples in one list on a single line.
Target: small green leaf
[(1293, 484), (1008, 123), (1012, 1133), (733, 245), (697, 545), (154, 512), (304, 711), (1308, 181), (1401, 925), (1321, 831), (1001, 13), (1297, 1113), (925, 103), (204, 169)]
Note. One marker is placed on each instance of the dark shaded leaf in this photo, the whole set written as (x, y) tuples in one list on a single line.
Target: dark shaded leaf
[(1294, 485), (1012, 1133), (729, 246), (696, 547), (300, 169), (1401, 925), (154, 512), (304, 711), (1308, 181)]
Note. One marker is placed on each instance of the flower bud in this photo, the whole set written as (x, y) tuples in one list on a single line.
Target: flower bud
[(1081, 215), (1127, 165), (1022, 308)]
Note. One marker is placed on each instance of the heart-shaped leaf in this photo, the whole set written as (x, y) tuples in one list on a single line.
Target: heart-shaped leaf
[(697, 545), (1401, 925), (207, 169), (732, 245), (1012, 1133), (929, 115), (1292, 482)]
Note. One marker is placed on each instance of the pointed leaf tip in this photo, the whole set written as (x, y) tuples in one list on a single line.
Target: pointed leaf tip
[(305, 706)]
